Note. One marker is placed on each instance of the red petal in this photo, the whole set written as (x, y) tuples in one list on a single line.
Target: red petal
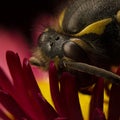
[(16, 71), (60, 118), (97, 98), (69, 93), (5, 83), (114, 102), (22, 95), (54, 89), (3, 116), (36, 95), (10, 104), (30, 81), (98, 114)]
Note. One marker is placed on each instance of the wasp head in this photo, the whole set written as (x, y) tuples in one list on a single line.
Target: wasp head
[(56, 46)]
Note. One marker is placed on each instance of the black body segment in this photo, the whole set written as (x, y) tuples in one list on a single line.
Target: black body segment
[(81, 13)]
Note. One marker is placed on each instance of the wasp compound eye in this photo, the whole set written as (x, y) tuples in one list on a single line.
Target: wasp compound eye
[(51, 43), (74, 51)]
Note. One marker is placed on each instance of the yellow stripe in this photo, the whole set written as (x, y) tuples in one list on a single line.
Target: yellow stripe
[(61, 18), (96, 27)]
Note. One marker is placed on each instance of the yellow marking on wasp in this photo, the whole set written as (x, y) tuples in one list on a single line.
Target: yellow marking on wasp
[(96, 27), (118, 16), (61, 18), (56, 61), (82, 44), (47, 29)]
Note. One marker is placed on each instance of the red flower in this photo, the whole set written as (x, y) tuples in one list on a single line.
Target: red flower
[(23, 99)]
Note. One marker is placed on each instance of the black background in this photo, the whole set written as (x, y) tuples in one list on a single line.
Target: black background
[(20, 14)]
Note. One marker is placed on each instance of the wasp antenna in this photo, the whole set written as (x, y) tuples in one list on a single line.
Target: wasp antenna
[(93, 70)]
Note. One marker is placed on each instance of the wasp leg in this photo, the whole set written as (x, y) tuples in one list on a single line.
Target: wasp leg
[(93, 70)]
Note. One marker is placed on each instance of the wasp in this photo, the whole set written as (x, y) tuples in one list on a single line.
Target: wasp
[(87, 42)]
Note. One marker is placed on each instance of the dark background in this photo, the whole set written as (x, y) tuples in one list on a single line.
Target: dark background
[(20, 14)]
